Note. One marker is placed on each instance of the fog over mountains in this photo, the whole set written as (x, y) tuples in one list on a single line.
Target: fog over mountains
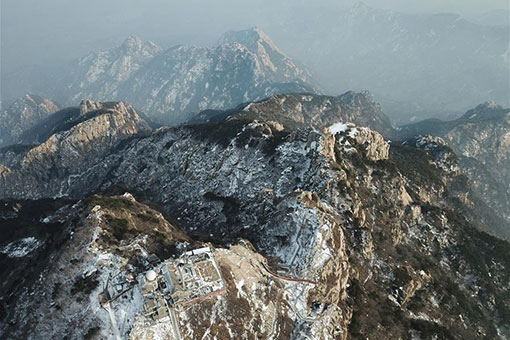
[(171, 84), (417, 65)]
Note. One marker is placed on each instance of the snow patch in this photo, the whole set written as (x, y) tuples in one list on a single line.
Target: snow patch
[(21, 247), (338, 127)]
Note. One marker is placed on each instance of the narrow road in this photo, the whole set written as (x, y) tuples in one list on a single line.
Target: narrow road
[(175, 324), (287, 278), (115, 327)]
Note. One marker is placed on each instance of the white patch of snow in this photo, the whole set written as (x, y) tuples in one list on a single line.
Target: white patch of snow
[(239, 286), (338, 127), (353, 132)]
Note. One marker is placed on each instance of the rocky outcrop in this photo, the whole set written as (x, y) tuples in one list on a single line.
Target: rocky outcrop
[(22, 115), (309, 110), (87, 138), (88, 105), (4, 172)]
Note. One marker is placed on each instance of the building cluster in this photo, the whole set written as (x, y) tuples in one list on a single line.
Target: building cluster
[(176, 282)]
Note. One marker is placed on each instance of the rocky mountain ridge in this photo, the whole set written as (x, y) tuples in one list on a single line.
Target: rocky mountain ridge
[(308, 110), (378, 227), (74, 138)]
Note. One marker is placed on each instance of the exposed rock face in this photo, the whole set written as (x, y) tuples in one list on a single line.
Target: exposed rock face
[(88, 106), (75, 144), (375, 229), (22, 115), (481, 140), (309, 110), (271, 61)]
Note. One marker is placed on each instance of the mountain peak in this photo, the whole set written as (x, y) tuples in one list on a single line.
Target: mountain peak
[(135, 43), (132, 42), (251, 38), (489, 105), (487, 110), (357, 97), (360, 7)]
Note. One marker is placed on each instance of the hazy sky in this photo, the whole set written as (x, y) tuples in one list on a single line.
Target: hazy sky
[(35, 31)]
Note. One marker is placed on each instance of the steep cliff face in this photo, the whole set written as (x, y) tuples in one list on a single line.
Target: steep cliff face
[(22, 115), (372, 231), (481, 139)]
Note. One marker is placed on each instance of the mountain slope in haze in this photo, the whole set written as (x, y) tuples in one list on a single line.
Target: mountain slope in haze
[(418, 65), (481, 139), (495, 17), (71, 140), (99, 74), (171, 84), (320, 232), (23, 114), (246, 66)]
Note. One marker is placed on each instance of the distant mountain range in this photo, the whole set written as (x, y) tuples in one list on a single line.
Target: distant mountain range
[(416, 65), (23, 114), (171, 84)]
